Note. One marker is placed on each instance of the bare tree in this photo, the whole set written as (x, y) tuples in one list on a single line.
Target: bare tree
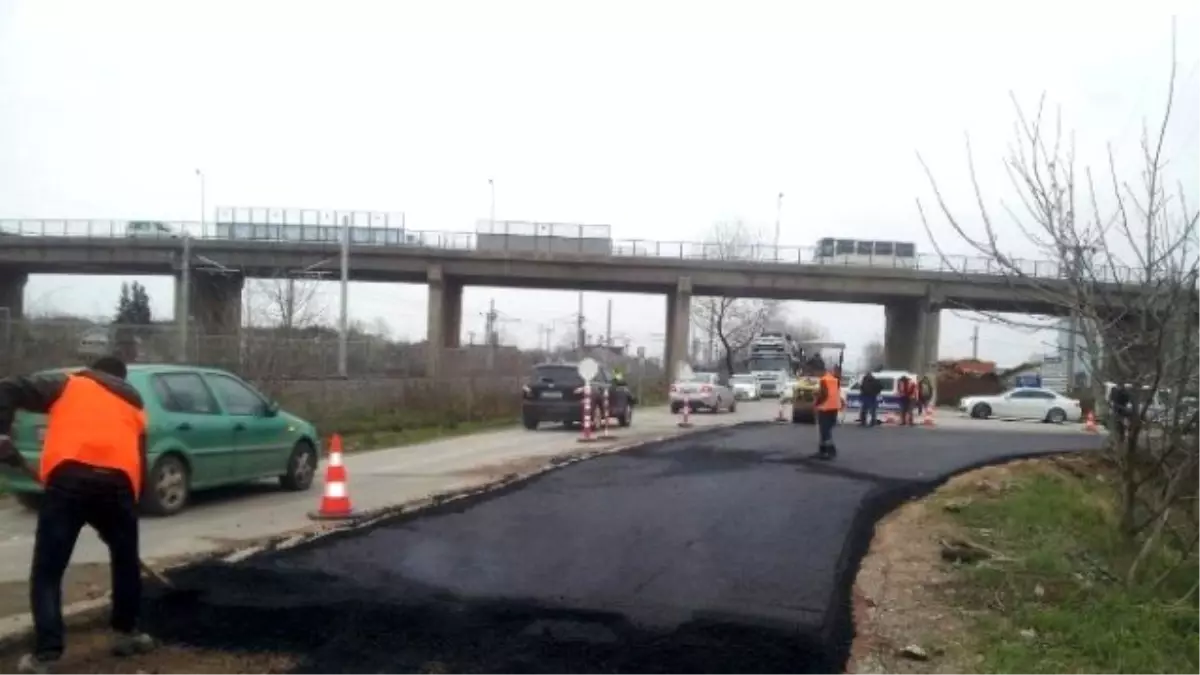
[(733, 322), (872, 354), (285, 302), (1127, 264)]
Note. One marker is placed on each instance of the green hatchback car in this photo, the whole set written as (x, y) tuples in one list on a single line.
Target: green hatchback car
[(205, 428)]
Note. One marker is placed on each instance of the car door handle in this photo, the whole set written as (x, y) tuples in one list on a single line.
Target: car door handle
[(239, 427), (184, 427)]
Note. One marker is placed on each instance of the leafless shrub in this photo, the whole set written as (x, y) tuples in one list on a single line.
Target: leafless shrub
[(1128, 259)]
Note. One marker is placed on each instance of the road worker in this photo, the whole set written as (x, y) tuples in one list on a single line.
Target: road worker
[(829, 406), (869, 390), (906, 391), (93, 462)]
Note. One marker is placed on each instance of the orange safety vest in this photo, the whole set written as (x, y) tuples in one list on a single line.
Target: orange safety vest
[(91, 425), (833, 388)]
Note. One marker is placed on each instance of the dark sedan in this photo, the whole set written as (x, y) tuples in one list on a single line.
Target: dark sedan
[(554, 393)]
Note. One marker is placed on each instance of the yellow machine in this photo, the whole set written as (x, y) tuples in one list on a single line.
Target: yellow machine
[(808, 383)]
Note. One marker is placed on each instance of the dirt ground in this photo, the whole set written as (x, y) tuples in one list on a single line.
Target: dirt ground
[(901, 597)]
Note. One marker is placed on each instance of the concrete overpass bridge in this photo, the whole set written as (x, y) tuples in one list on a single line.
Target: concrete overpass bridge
[(912, 294)]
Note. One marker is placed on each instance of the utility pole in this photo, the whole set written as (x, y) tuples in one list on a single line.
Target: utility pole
[(490, 324), (975, 343), (581, 337), (608, 326), (343, 319), (184, 306)]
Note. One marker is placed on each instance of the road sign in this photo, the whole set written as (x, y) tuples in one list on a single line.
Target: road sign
[(588, 368)]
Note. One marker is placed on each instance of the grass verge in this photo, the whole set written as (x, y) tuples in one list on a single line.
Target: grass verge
[(1051, 598)]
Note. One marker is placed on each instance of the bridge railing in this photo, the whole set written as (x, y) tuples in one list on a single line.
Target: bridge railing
[(368, 229)]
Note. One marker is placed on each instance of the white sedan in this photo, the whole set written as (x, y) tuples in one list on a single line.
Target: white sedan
[(1028, 403), (745, 387)]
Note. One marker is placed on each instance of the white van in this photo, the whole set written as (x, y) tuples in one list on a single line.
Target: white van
[(150, 229)]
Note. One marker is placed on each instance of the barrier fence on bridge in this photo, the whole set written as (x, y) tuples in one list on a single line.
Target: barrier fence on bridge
[(387, 230)]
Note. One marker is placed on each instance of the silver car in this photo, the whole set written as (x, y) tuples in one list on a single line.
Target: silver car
[(745, 387), (702, 391)]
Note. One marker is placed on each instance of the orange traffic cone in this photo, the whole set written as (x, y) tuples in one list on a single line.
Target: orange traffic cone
[(1090, 426), (335, 503), (928, 419)]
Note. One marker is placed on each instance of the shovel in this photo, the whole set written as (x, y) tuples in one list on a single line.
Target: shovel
[(17, 460)]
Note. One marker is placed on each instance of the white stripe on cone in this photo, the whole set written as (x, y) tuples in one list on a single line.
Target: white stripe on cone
[(335, 490), (335, 459)]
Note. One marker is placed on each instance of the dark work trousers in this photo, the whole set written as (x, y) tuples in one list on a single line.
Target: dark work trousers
[(75, 495), (906, 412), (869, 413), (826, 421)]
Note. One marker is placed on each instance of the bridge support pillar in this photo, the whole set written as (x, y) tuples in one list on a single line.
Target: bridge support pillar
[(444, 324), (679, 321), (214, 303), (911, 334), (12, 295)]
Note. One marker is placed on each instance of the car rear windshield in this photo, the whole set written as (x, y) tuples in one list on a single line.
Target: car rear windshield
[(886, 383), (748, 379), (556, 373)]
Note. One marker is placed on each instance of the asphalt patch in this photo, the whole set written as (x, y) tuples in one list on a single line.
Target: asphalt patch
[(726, 551)]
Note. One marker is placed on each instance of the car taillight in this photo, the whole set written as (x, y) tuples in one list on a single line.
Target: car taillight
[(674, 388), (579, 390), (706, 389)]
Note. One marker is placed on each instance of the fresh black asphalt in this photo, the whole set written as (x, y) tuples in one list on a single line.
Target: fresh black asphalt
[(725, 551)]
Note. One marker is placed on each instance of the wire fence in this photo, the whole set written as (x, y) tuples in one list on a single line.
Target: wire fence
[(261, 354)]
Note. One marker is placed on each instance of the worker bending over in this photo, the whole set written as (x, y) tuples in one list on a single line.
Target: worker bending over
[(92, 465), (828, 405)]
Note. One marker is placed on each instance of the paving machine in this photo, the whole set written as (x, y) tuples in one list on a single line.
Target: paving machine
[(815, 356)]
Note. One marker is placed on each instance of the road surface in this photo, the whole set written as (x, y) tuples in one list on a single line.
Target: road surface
[(377, 479), (726, 551)]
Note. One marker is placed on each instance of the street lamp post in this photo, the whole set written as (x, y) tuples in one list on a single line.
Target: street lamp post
[(778, 214), (492, 187), (203, 206)]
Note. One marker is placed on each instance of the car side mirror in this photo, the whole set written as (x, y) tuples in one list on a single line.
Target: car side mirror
[(271, 409)]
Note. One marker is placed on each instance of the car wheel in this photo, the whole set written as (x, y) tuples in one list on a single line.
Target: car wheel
[(733, 407), (981, 411), (626, 417), (301, 467), (530, 422), (30, 500), (675, 408), (716, 409), (1056, 416), (169, 486)]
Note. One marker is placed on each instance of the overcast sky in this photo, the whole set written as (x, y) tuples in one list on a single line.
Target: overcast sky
[(657, 118)]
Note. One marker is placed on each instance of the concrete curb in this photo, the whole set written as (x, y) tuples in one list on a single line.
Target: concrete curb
[(18, 627)]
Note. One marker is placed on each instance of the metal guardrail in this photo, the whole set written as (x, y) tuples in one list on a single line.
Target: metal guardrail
[(323, 230)]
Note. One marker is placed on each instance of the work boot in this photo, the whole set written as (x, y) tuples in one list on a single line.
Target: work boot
[(30, 664), (134, 642)]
